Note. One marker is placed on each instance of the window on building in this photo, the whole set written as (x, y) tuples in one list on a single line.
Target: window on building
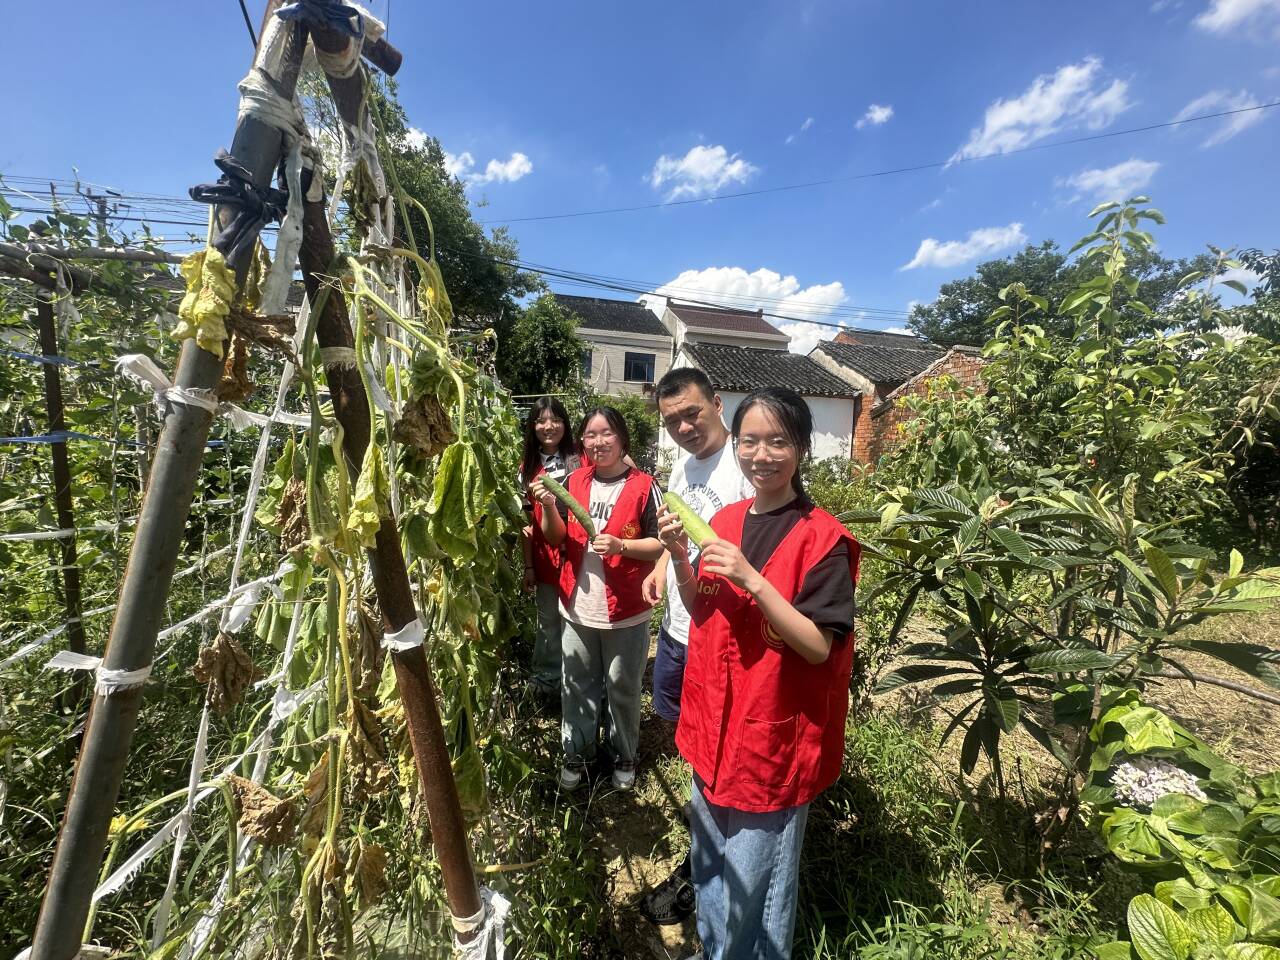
[(638, 367), (586, 363)]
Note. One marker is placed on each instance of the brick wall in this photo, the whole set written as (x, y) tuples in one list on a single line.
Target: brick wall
[(876, 424)]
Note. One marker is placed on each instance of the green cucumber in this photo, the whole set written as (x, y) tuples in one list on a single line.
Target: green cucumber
[(565, 497), (697, 528)]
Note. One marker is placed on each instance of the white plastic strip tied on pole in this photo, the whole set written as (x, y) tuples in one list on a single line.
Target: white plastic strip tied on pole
[(109, 681), (408, 637), (491, 921), (143, 371)]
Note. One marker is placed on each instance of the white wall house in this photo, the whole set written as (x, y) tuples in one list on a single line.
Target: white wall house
[(735, 371), (627, 349), (699, 324)]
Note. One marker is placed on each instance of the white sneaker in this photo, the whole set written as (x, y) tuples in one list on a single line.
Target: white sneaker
[(570, 778), (624, 779)]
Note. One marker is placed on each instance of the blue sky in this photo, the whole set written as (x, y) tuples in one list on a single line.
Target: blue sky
[(561, 107)]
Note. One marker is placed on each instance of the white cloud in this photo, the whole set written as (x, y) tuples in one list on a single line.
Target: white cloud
[(701, 171), (791, 137), (1225, 16), (979, 243), (1112, 183), (768, 290), (416, 138), (1240, 275), (1219, 101), (1077, 95), (459, 166), (462, 166), (933, 204), (902, 330), (875, 115)]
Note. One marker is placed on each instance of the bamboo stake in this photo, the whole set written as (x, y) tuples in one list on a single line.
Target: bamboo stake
[(386, 559), (144, 592), (61, 484)]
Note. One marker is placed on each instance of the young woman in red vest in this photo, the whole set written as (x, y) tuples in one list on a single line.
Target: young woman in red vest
[(605, 641), (766, 687), (550, 450)]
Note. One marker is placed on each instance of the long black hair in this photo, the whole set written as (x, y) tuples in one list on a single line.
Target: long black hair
[(617, 423), (531, 462), (793, 416)]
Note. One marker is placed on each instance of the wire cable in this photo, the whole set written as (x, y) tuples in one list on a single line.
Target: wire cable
[(253, 37), (913, 168)]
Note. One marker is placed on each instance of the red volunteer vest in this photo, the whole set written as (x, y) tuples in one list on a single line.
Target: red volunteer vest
[(762, 727), (622, 575), (546, 558)]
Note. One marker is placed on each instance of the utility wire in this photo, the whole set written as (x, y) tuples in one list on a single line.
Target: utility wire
[(253, 38), (143, 198), (914, 168)]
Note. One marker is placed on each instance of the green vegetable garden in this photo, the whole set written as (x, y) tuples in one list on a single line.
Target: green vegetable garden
[(264, 638)]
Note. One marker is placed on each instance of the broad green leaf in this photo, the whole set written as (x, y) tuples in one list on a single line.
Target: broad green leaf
[(1070, 660), (1162, 567), (1115, 950), (1157, 932), (1002, 706), (1264, 915), (1013, 543), (1212, 925), (969, 749), (1046, 740), (913, 673), (1251, 951)]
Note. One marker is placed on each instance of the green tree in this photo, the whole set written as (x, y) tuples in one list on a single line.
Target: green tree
[(962, 311), (478, 267), (540, 351)]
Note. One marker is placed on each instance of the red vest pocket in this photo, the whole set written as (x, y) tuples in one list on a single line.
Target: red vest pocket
[(767, 752)]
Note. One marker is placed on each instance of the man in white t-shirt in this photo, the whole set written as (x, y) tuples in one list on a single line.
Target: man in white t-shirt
[(707, 478)]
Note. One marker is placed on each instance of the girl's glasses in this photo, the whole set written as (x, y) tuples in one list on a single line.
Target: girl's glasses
[(774, 446)]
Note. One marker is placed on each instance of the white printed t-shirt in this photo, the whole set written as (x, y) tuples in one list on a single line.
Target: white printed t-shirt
[(707, 486), (589, 606)]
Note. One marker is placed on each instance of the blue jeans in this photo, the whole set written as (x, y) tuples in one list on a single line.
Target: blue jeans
[(546, 642), (745, 869), (668, 676)]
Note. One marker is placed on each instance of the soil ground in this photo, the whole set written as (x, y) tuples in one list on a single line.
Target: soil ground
[(641, 837)]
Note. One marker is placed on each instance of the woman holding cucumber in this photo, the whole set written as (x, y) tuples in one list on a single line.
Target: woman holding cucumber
[(549, 451), (766, 688), (610, 545)]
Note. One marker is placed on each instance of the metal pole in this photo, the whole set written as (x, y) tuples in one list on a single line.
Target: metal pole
[(61, 480), (386, 559), (161, 521)]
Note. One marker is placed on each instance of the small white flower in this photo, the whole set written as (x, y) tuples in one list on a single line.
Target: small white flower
[(1144, 780)]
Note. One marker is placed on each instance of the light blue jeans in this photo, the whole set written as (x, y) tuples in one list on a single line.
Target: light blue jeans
[(745, 870), (601, 665), (545, 668)]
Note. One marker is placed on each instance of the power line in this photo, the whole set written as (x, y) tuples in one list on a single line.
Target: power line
[(253, 38), (602, 283), (913, 168), (146, 199)]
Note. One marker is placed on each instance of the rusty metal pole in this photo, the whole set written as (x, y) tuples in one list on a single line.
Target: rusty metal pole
[(61, 487), (386, 559), (145, 589)]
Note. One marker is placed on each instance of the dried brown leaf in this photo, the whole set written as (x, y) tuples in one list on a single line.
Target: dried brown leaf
[(265, 817), (424, 426), (226, 669)]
